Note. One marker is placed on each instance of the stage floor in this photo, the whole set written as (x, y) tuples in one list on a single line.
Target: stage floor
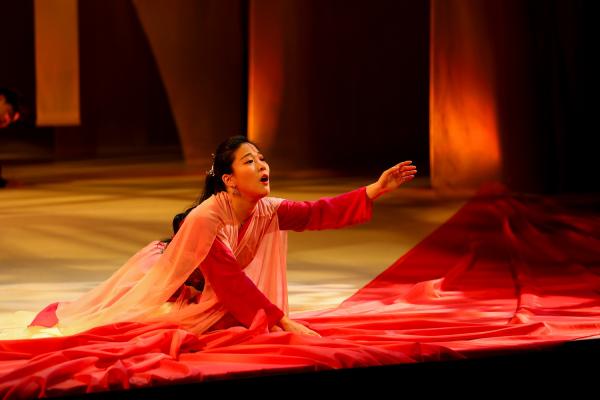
[(66, 226)]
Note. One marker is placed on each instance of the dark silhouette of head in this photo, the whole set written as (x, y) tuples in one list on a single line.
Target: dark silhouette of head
[(9, 107)]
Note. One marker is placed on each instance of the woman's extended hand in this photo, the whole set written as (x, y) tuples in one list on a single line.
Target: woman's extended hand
[(293, 326), (391, 178)]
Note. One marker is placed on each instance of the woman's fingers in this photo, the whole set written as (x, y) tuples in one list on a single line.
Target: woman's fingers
[(311, 332), (400, 165), (406, 168), (403, 166), (307, 331), (404, 172)]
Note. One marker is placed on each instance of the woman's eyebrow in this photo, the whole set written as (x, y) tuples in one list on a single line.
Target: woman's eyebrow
[(249, 154)]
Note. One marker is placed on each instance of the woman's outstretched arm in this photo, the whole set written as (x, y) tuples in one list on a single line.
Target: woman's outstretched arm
[(346, 209)]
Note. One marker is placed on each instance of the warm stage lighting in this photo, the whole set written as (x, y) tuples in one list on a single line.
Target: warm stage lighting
[(265, 81), (57, 63), (464, 133)]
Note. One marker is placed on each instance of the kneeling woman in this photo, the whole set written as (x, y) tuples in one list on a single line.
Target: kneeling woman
[(226, 263)]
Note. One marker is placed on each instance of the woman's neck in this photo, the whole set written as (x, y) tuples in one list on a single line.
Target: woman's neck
[(242, 207)]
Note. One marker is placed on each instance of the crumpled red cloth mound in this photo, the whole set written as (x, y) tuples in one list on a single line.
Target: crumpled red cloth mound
[(506, 271)]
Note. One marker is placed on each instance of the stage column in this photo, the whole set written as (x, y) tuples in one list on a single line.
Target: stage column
[(56, 63), (464, 137), (278, 83)]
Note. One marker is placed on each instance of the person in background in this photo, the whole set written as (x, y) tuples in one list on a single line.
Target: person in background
[(9, 114), (9, 108)]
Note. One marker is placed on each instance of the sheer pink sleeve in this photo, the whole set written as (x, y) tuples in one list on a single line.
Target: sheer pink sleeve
[(346, 209), (235, 290)]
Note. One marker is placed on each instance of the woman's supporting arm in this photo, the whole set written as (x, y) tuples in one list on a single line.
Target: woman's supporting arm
[(235, 290)]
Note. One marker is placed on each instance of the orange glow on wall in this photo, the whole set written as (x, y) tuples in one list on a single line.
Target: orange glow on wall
[(265, 71), (464, 133), (56, 62)]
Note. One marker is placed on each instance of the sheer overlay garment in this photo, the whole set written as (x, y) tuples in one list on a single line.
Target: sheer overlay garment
[(139, 291)]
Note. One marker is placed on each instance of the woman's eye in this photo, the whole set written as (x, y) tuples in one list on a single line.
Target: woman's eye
[(249, 161)]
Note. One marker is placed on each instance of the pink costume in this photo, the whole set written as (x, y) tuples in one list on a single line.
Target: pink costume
[(237, 270)]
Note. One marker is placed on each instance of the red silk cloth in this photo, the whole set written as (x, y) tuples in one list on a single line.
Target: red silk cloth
[(506, 271)]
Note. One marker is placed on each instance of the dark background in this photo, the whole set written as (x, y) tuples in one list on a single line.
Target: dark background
[(356, 97)]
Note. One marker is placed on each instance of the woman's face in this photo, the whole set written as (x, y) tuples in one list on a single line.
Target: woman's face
[(250, 173)]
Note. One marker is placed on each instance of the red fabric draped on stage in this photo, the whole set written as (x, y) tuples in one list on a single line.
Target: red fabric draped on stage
[(506, 271)]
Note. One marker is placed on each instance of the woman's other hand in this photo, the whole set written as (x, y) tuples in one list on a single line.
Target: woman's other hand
[(289, 325)]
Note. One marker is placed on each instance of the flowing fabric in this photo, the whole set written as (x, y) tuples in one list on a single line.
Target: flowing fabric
[(506, 271)]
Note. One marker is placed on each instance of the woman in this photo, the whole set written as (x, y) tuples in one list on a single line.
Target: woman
[(226, 263)]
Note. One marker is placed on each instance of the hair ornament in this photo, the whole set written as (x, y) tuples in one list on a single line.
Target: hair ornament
[(211, 171)]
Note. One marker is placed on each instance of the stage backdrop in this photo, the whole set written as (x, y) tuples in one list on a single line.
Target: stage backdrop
[(340, 85)]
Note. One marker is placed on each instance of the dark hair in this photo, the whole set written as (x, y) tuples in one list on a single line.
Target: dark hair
[(222, 160)]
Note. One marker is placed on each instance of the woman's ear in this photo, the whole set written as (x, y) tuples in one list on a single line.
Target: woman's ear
[(228, 180)]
